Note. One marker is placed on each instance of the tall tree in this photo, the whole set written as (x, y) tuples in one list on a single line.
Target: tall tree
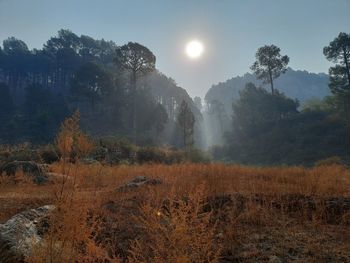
[(217, 109), (43, 111), (338, 52), (257, 110), (16, 64), (91, 81), (64, 49), (269, 64), (136, 60), (198, 103), (160, 118), (6, 112), (186, 120)]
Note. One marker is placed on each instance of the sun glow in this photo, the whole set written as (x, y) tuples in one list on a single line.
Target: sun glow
[(194, 49)]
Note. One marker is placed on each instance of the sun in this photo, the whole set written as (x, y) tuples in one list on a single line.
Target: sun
[(194, 49)]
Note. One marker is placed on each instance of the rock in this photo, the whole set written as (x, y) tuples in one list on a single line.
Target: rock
[(28, 167), (21, 232), (275, 259), (137, 182), (89, 161)]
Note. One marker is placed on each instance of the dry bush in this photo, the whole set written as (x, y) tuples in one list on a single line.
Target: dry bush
[(171, 222), (70, 236), (178, 230), (72, 225)]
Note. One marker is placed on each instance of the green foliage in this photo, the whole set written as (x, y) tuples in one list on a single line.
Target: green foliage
[(268, 129), (196, 156), (150, 155), (42, 113), (327, 104), (159, 119), (116, 89), (135, 58), (257, 110), (91, 81), (269, 64), (48, 154), (333, 160), (7, 110), (22, 152), (338, 52), (114, 150)]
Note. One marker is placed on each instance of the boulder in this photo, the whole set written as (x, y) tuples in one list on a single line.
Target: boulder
[(137, 182), (21, 232), (28, 167), (89, 161)]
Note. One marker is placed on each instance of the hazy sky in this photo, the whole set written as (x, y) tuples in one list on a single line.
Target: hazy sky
[(231, 30)]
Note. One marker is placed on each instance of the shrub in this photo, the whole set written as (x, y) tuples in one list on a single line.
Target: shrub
[(197, 156), (218, 152), (117, 150), (180, 231), (333, 160), (22, 152), (48, 154), (151, 155)]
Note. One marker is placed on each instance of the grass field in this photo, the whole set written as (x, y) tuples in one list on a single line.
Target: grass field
[(199, 213)]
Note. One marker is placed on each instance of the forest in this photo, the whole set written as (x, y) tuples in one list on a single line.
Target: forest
[(120, 94), (116, 89)]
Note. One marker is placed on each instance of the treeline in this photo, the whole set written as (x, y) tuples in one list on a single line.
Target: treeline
[(112, 86), (270, 128)]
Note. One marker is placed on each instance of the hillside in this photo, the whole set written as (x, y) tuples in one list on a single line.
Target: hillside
[(297, 84), (39, 88)]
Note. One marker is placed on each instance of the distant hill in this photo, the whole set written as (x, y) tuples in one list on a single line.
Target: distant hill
[(296, 84)]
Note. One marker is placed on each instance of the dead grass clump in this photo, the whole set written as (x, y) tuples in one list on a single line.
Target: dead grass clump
[(200, 212), (179, 230)]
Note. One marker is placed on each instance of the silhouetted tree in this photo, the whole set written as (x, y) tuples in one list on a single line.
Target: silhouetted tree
[(338, 51), (136, 60), (198, 103), (186, 120), (15, 64), (7, 109), (217, 109), (43, 112), (92, 82), (78, 70), (269, 64), (257, 110), (159, 119)]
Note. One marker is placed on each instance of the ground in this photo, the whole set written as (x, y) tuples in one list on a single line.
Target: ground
[(219, 212)]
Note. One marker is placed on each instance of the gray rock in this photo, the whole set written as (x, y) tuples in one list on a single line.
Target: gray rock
[(21, 232), (275, 259), (137, 182), (28, 167), (89, 161)]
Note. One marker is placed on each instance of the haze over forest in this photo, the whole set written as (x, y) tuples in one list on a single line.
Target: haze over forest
[(121, 90)]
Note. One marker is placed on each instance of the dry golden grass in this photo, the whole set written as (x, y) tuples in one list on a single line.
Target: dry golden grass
[(220, 179), (169, 222)]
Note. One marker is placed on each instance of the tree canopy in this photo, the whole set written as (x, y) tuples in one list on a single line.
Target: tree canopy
[(338, 52), (269, 64)]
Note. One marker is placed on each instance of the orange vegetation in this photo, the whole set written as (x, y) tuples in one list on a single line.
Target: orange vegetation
[(172, 222)]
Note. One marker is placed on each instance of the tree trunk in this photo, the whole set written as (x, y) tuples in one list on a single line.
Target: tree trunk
[(346, 65), (271, 82), (133, 106), (184, 131)]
